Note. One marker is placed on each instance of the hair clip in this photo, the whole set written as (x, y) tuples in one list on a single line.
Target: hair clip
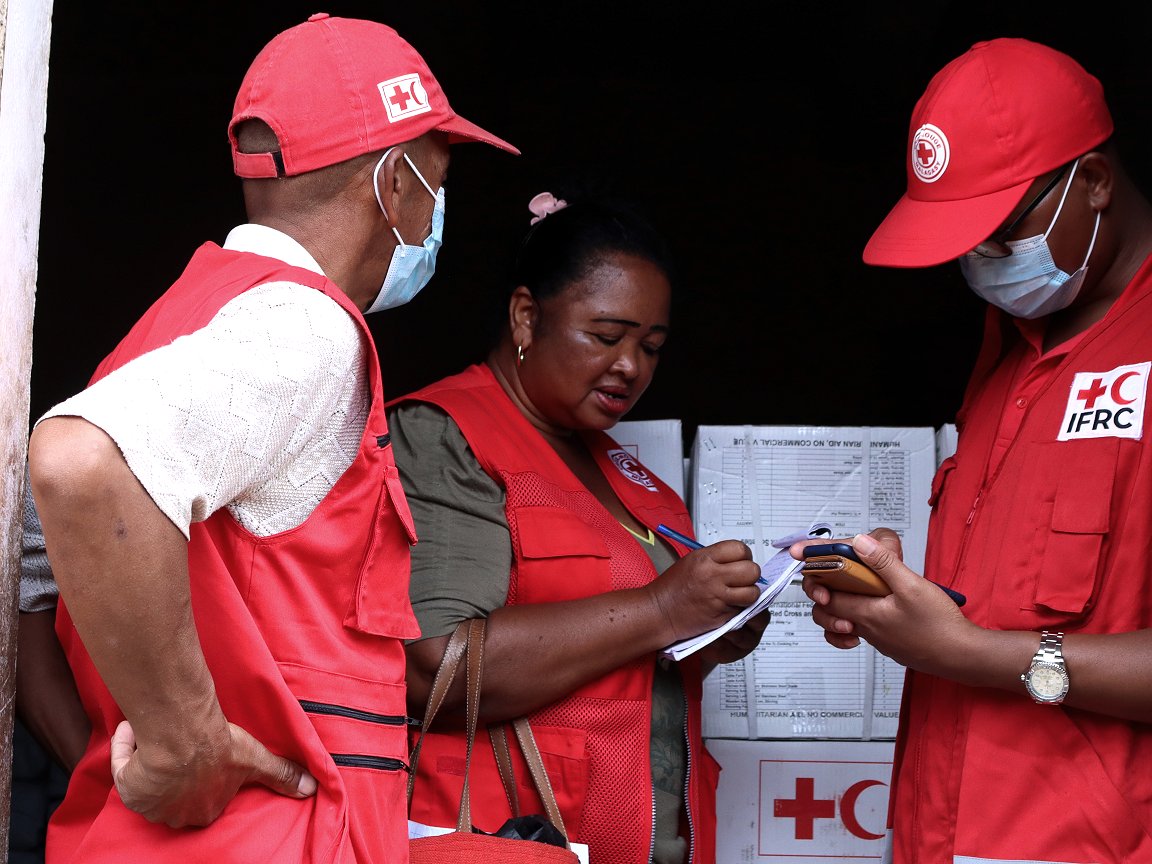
[(543, 204)]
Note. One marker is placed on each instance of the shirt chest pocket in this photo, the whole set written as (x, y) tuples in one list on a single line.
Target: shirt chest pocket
[(1081, 517), (559, 556)]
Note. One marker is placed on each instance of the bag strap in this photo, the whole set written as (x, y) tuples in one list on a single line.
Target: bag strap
[(504, 764), (467, 642), (539, 775), (475, 659), (445, 674)]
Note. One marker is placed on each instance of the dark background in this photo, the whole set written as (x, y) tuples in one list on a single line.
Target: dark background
[(767, 139)]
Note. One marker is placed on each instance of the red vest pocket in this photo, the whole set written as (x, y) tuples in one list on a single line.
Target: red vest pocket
[(567, 558), (381, 605), (1081, 517)]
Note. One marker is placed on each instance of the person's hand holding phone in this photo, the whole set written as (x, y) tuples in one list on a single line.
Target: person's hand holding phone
[(909, 624), (838, 567)]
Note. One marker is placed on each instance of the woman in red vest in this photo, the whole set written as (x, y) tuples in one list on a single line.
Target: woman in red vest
[(530, 515)]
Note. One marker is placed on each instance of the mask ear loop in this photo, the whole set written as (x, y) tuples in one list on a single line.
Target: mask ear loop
[(376, 185), (1060, 206), (419, 176), (1092, 244), (376, 189)]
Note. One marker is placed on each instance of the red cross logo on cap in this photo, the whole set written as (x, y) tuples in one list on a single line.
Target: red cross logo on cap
[(404, 96), (930, 153)]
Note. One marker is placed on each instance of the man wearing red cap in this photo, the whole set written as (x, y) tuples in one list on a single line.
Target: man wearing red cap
[(1027, 716), (221, 508)]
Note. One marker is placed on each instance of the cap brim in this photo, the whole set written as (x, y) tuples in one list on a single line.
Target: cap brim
[(461, 130), (926, 233)]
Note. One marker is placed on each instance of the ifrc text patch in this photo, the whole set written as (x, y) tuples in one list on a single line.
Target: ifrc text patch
[(631, 469), (1106, 404), (404, 96)]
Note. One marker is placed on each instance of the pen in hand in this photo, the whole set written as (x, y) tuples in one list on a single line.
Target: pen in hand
[(692, 544), (679, 538)]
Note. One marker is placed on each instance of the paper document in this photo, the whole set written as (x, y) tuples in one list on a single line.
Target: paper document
[(775, 575)]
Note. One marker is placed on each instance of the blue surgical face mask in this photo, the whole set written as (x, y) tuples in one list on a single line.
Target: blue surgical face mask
[(1028, 283), (411, 267)]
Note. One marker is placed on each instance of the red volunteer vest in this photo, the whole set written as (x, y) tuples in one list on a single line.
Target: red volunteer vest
[(1056, 538), (302, 632), (566, 545)]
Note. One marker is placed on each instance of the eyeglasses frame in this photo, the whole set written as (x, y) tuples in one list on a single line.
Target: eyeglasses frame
[(1003, 234)]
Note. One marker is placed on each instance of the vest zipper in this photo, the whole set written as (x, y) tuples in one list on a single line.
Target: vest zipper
[(652, 836), (975, 504), (382, 763), (359, 760), (688, 785), (353, 713)]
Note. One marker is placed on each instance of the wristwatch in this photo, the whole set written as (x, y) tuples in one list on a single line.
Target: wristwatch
[(1047, 678)]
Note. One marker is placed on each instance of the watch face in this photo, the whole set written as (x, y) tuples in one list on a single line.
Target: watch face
[(1047, 681)]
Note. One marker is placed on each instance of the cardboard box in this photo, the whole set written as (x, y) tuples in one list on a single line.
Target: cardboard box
[(658, 444), (945, 442), (802, 802)]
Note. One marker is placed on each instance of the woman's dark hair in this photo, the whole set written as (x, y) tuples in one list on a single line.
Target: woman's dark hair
[(568, 243)]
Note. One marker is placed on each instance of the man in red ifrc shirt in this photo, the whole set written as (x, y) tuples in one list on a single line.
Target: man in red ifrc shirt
[(1027, 714)]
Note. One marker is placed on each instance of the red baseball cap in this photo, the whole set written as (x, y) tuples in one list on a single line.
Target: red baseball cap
[(335, 88), (991, 121)]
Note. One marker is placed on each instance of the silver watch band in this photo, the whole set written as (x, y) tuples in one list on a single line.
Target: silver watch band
[(1051, 647)]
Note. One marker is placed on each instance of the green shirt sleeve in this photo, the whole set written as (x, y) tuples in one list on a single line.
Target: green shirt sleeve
[(462, 560)]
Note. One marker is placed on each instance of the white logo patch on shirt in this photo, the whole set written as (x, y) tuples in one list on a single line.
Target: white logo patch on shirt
[(631, 468), (404, 96), (1106, 404)]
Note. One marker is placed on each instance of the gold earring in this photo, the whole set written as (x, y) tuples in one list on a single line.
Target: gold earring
[(519, 355)]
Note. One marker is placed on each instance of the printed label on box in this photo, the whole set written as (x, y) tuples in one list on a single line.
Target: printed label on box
[(802, 802)]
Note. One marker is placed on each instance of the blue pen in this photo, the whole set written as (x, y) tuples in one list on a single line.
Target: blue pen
[(679, 538), (691, 544), (958, 598)]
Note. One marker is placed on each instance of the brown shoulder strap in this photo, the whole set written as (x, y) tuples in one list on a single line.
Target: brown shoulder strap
[(445, 675), (468, 642)]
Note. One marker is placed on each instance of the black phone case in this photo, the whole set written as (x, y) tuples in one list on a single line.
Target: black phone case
[(844, 550)]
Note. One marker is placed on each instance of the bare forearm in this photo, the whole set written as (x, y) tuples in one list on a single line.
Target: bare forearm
[(121, 566), (46, 698), (538, 653), (1109, 673), (918, 627)]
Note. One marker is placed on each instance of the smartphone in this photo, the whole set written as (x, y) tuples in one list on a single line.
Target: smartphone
[(836, 566), (844, 550)]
